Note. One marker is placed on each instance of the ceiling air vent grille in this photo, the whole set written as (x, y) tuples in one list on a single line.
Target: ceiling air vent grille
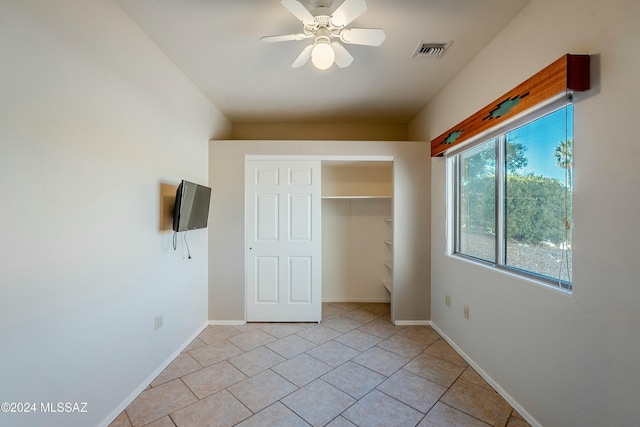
[(435, 50)]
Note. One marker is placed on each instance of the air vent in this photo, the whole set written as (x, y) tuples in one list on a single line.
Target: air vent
[(435, 50)]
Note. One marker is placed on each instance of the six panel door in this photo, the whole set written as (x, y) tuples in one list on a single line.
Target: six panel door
[(283, 252)]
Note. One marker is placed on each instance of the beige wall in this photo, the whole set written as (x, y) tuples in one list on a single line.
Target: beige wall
[(93, 117), (564, 360), (410, 210), (357, 179), (354, 250), (320, 131)]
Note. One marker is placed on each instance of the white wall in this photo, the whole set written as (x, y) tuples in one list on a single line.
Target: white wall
[(410, 210), (567, 360), (93, 117)]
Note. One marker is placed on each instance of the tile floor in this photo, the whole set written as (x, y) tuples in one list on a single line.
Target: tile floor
[(353, 369)]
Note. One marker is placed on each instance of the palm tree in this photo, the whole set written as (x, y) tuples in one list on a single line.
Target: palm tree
[(564, 158)]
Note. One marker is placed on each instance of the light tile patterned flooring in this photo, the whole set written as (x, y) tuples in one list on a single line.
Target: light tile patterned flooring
[(354, 368)]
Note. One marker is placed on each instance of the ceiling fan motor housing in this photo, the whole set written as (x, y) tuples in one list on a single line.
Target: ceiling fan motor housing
[(316, 4), (322, 28)]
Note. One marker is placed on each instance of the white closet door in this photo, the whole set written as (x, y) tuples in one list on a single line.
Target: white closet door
[(283, 252)]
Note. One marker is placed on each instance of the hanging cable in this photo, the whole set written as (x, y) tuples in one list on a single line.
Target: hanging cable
[(184, 237), (567, 162)]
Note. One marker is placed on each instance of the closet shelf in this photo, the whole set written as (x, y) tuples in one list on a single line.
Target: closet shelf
[(356, 197)]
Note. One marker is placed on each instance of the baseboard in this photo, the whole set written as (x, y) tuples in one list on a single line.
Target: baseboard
[(412, 322), (135, 393), (369, 300), (227, 322), (527, 416)]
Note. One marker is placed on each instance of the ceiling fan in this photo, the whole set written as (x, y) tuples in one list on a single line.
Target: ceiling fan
[(323, 27)]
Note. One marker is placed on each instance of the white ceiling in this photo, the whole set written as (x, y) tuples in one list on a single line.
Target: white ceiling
[(216, 44)]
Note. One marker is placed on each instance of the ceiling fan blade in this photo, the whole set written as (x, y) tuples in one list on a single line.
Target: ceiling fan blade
[(347, 12), (364, 36), (298, 9), (303, 57), (283, 38), (343, 57)]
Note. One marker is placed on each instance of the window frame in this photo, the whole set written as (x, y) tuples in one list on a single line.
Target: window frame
[(499, 135)]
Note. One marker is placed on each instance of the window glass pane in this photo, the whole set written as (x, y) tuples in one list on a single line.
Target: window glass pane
[(538, 196), (476, 202)]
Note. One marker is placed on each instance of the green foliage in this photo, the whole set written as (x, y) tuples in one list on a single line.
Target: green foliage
[(564, 157), (477, 205), (483, 162), (535, 209), (564, 154), (535, 206), (516, 157)]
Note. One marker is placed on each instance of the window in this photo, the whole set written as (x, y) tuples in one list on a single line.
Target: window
[(512, 197)]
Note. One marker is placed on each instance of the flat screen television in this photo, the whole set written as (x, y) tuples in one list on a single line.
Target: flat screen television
[(192, 206)]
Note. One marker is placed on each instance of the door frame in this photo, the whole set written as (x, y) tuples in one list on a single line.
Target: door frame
[(294, 157)]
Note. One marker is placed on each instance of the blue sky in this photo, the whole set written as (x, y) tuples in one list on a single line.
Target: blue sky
[(540, 138)]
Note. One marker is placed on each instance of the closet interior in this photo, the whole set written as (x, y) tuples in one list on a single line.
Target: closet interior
[(357, 231)]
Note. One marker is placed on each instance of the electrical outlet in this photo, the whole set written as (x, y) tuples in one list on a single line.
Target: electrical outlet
[(466, 312), (447, 300), (159, 321)]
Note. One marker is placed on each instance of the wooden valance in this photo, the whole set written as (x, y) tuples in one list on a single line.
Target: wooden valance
[(570, 72)]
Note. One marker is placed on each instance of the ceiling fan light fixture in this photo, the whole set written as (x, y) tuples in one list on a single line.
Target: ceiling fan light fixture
[(322, 55), (322, 25)]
